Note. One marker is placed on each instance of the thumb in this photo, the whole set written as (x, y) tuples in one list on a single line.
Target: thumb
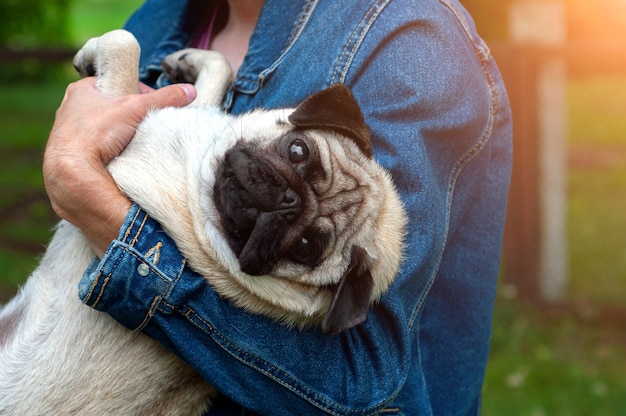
[(176, 95)]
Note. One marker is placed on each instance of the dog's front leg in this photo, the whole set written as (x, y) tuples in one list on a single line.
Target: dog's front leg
[(114, 58), (209, 71)]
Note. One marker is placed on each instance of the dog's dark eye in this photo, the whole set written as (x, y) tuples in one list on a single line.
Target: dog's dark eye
[(298, 151), (307, 251)]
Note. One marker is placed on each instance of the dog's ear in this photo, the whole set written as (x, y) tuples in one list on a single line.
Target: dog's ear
[(352, 298), (336, 109)]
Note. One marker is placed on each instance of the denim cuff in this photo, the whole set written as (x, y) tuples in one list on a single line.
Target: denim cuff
[(136, 275)]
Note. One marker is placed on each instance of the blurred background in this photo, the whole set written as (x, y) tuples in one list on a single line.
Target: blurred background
[(559, 340)]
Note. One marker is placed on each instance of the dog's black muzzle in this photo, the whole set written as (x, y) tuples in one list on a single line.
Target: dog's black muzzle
[(257, 203)]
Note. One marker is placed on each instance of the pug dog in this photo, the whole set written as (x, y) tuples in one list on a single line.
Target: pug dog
[(285, 212)]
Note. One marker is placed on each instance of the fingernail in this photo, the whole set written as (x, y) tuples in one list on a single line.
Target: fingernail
[(190, 91)]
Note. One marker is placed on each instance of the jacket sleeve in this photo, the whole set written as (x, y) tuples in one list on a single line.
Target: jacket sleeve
[(143, 283), (434, 120)]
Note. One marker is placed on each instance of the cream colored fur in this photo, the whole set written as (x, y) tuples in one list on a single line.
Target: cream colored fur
[(60, 357)]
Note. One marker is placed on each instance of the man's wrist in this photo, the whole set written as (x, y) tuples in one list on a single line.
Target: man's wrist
[(87, 197), (105, 210)]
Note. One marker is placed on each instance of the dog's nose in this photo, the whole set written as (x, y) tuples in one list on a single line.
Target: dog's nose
[(290, 200), (289, 205)]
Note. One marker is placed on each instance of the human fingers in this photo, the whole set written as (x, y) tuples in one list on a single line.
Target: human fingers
[(90, 129), (176, 95), (143, 88), (129, 111), (89, 121)]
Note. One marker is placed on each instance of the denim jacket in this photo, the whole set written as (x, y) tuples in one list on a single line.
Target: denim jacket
[(440, 119)]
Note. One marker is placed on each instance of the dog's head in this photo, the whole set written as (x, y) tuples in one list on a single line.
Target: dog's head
[(312, 207)]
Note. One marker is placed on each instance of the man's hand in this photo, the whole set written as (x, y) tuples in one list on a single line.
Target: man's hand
[(90, 129)]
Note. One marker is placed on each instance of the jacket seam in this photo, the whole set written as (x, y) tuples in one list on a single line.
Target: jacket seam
[(466, 158), (458, 168), (130, 226), (276, 374), (355, 40), (301, 23), (93, 303)]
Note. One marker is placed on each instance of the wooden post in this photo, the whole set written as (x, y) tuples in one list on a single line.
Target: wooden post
[(553, 266), (520, 252), (535, 246)]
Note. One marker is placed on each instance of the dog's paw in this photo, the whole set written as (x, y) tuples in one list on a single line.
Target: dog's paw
[(84, 60), (186, 64), (111, 46), (182, 66), (209, 71), (114, 59)]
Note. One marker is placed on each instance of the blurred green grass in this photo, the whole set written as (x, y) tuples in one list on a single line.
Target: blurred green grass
[(93, 17), (570, 359), (597, 189), (26, 116), (565, 360), (556, 361)]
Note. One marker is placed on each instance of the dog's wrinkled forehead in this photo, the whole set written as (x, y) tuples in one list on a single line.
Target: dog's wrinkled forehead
[(341, 165), (335, 170), (328, 171), (329, 164)]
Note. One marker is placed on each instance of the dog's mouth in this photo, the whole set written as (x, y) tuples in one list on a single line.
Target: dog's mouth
[(257, 204)]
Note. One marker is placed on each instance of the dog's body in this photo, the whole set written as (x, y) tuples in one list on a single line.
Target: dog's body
[(184, 168)]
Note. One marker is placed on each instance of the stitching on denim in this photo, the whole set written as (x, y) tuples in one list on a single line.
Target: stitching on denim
[(170, 284), (479, 45), (173, 284), (233, 350), (167, 304), (154, 254), (421, 373), (301, 22), (207, 328), (139, 230), (356, 39), (154, 270), (269, 370), (101, 291), (480, 144), (130, 226), (149, 315), (94, 284), (272, 372)]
